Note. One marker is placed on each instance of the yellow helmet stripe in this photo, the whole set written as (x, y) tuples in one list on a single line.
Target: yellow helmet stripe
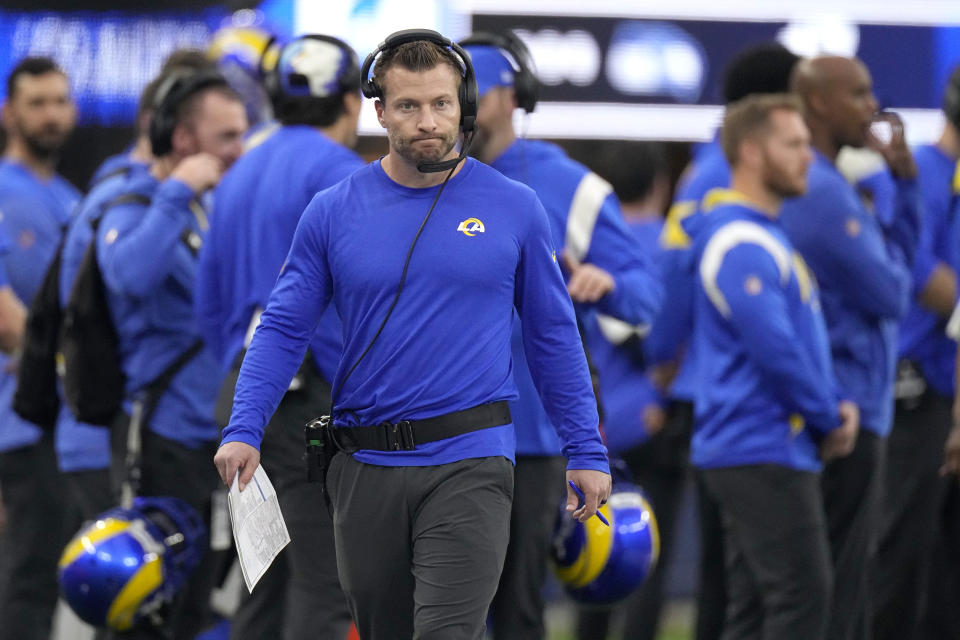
[(85, 543), (593, 558), (125, 605)]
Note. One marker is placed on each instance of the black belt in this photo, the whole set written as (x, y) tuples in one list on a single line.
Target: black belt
[(406, 434)]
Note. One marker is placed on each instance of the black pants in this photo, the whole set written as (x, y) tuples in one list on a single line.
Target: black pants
[(851, 487), (659, 467), (420, 549), (300, 595), (172, 469), (38, 528), (91, 492), (779, 578), (912, 495), (538, 487), (712, 589)]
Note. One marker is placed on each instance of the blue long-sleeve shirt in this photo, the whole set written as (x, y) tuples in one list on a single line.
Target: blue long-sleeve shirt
[(585, 221), (485, 251), (670, 332), (81, 446), (34, 211), (626, 389), (252, 225), (767, 393), (149, 272), (864, 271)]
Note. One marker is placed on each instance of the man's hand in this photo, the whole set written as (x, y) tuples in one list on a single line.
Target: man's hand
[(588, 283), (839, 443), (951, 452), (233, 457), (200, 172), (896, 153), (595, 486)]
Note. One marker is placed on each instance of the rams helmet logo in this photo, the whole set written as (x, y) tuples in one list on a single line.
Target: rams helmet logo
[(471, 227)]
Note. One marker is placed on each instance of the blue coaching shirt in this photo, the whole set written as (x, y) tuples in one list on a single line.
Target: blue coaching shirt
[(250, 234), (485, 251), (864, 271), (149, 272), (81, 446), (767, 392), (34, 212), (585, 221)]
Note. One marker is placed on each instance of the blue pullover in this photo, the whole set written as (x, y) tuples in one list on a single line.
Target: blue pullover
[(586, 222), (251, 229), (767, 393), (34, 212), (485, 251), (864, 271), (149, 272)]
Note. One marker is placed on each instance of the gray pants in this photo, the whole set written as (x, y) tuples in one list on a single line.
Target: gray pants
[(420, 549), (779, 575)]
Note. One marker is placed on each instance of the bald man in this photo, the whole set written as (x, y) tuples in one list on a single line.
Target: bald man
[(863, 265)]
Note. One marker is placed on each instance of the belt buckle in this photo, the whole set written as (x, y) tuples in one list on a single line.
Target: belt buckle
[(399, 435)]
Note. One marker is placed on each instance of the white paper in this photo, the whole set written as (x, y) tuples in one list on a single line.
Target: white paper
[(258, 527)]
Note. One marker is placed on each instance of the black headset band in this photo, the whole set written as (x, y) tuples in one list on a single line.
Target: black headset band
[(403, 37), (525, 84)]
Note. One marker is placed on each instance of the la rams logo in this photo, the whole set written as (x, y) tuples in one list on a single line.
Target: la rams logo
[(471, 227)]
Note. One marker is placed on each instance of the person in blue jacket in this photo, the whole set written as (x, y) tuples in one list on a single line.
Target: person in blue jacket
[(422, 484), (759, 69), (767, 407), (605, 269), (864, 268), (916, 562), (147, 256), (315, 90), (35, 207)]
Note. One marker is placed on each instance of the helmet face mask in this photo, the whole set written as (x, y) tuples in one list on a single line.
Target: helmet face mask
[(602, 565), (127, 564)]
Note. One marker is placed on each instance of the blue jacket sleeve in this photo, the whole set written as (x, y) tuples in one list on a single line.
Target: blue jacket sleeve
[(904, 228), (847, 250), (280, 342), (749, 281), (553, 348), (638, 293), (135, 247)]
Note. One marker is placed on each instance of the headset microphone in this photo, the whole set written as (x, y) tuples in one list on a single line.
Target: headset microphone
[(446, 165)]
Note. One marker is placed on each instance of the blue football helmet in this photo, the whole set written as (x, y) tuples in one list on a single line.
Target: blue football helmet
[(598, 564), (126, 564)]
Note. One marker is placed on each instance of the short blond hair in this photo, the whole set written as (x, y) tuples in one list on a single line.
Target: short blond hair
[(750, 118)]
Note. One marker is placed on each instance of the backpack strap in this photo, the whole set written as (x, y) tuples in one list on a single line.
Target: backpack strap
[(125, 198)]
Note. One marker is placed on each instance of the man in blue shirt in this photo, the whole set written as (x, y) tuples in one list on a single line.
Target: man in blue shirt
[(863, 266), (759, 69), (606, 270), (421, 491), (315, 90), (35, 207), (914, 564), (767, 407), (147, 255)]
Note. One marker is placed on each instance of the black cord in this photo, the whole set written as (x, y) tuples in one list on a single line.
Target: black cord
[(403, 279)]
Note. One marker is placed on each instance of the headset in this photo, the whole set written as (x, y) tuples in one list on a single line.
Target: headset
[(172, 93), (951, 98), (526, 87), (282, 80), (468, 88)]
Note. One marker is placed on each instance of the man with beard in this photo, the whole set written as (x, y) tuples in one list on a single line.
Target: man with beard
[(863, 263), (35, 204), (422, 483), (606, 271), (767, 399)]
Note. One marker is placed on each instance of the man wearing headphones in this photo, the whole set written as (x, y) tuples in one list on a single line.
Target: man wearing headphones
[(315, 90), (147, 256), (425, 255), (605, 269)]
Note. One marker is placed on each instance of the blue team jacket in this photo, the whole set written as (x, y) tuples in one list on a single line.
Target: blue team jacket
[(251, 229), (864, 271), (34, 213), (767, 392), (149, 272), (585, 220), (485, 251)]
